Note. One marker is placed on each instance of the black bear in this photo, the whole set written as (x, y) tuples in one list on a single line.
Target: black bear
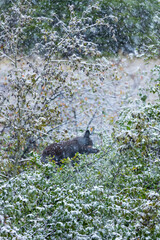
[(58, 151)]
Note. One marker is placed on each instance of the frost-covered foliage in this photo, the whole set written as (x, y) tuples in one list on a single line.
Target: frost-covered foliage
[(134, 25), (138, 130), (102, 197), (129, 25)]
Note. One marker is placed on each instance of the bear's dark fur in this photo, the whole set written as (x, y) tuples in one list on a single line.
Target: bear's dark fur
[(58, 151)]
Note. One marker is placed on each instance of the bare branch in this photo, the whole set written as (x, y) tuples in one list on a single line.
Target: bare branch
[(91, 119)]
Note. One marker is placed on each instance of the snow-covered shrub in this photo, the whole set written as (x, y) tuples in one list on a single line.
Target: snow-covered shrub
[(102, 197), (137, 130)]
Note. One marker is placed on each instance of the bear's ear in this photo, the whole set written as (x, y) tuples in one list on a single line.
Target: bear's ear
[(87, 133)]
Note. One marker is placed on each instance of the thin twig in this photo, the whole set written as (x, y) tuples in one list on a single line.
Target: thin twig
[(92, 119), (5, 55)]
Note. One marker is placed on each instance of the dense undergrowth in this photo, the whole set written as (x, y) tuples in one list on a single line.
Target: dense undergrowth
[(111, 195), (108, 196)]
